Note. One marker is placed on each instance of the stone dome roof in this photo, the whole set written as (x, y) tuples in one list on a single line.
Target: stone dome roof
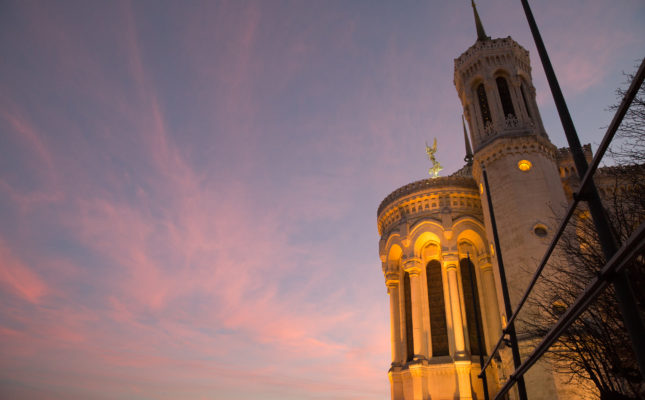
[(457, 179)]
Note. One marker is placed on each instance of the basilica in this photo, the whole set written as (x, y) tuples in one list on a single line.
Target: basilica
[(436, 235)]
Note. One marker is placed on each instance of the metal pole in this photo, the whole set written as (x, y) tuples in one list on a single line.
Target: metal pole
[(638, 80), (510, 328), (632, 248), (623, 288), (479, 333)]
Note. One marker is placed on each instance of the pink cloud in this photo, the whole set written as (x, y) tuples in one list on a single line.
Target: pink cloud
[(184, 271), (19, 277), (27, 133)]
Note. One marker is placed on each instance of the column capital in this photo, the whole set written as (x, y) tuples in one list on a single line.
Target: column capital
[(450, 260), (391, 280), (484, 258), (463, 365), (412, 265), (485, 265), (463, 368)]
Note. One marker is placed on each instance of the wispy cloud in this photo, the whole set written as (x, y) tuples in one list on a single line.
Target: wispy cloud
[(19, 278), (188, 193)]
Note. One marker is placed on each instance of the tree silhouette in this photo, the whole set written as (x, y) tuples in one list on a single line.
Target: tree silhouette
[(596, 349)]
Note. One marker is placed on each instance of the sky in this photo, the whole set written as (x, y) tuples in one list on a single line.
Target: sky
[(188, 190)]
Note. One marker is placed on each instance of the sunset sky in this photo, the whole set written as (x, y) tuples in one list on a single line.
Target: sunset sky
[(188, 189)]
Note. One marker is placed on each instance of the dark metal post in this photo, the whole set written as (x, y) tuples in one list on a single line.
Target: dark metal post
[(623, 288), (510, 328), (480, 342)]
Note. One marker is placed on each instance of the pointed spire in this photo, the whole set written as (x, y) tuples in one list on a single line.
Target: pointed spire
[(469, 151), (481, 34)]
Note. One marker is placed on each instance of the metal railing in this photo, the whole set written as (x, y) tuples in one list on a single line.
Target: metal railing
[(614, 270)]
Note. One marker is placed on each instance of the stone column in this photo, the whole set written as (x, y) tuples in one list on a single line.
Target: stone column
[(418, 386), (515, 84), (450, 264), (392, 283), (463, 378), (494, 104), (413, 268), (493, 321), (473, 125)]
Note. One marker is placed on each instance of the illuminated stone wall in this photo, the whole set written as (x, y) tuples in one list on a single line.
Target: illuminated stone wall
[(521, 164), (435, 223), (430, 226)]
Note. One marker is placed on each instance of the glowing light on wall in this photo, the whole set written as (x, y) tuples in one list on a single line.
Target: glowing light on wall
[(524, 165)]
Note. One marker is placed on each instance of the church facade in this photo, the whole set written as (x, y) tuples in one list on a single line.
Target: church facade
[(436, 244)]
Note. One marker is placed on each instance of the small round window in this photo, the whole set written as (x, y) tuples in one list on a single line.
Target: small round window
[(524, 165), (540, 230)]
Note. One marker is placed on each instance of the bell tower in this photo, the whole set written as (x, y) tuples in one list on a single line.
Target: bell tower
[(493, 81), (494, 84)]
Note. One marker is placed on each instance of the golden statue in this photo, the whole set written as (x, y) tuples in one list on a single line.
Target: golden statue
[(436, 166)]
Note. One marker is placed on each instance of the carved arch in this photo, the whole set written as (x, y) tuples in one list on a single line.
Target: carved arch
[(394, 258), (471, 230), (485, 112), (505, 96), (392, 239), (424, 237)]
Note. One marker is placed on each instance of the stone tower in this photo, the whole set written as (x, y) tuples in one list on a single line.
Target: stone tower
[(493, 81), (433, 244), (436, 236)]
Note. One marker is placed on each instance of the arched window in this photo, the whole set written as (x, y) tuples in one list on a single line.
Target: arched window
[(467, 269), (505, 97), (408, 318), (483, 104), (524, 97), (437, 307)]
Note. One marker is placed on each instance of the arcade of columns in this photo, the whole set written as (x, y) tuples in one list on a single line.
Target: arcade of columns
[(437, 224)]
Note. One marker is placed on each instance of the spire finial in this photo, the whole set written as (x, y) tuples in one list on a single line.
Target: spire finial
[(469, 151), (481, 34)]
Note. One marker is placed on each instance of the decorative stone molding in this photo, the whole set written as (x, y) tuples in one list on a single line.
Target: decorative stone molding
[(391, 279), (488, 55), (416, 369), (484, 63), (485, 264), (423, 185), (511, 122), (412, 265), (489, 129), (445, 369), (425, 198), (513, 127), (464, 366), (450, 260), (499, 43), (504, 146)]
